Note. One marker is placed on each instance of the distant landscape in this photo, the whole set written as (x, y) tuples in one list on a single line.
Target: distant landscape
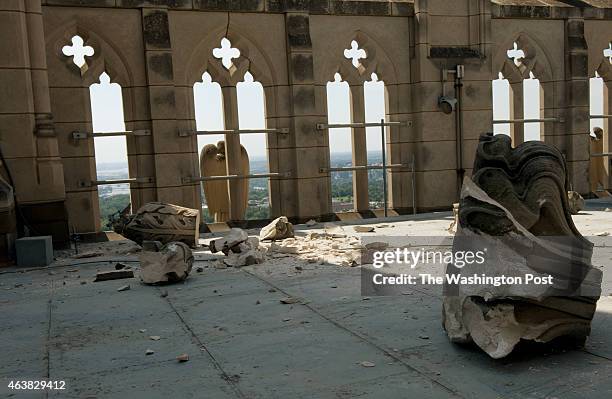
[(114, 198)]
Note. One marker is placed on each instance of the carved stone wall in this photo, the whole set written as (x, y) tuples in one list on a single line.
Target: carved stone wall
[(157, 50)]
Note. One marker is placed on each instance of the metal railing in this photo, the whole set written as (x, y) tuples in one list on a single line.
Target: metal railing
[(86, 135), (116, 181), (382, 124), (185, 133), (193, 179), (504, 121)]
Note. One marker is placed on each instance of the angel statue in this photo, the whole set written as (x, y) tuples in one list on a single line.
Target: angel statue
[(216, 192)]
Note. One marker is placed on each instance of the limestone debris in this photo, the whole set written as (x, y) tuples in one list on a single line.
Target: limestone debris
[(171, 264), (279, 229), (516, 205), (229, 241)]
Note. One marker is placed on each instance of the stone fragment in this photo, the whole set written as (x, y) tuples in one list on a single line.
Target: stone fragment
[(114, 275), (516, 206), (279, 229), (365, 363), (183, 358), (575, 202), (171, 264), (453, 226), (88, 254), (246, 253), (377, 245), (154, 337), (157, 221), (334, 231), (363, 229), (234, 237), (123, 288), (311, 222), (149, 352), (289, 300), (284, 249)]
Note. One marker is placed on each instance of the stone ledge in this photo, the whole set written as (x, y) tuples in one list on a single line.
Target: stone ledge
[(326, 7)]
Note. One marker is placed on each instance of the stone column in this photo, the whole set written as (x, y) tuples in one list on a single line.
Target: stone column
[(577, 120), (360, 154), (174, 155), (27, 136), (311, 193), (517, 130), (233, 153)]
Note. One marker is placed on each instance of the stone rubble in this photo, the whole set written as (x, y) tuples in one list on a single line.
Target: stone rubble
[(171, 264), (279, 229)]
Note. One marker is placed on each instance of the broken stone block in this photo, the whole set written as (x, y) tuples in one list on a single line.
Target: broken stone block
[(516, 206), (246, 253), (157, 221), (114, 275), (234, 237), (575, 202), (171, 264), (284, 249), (363, 229), (279, 229)]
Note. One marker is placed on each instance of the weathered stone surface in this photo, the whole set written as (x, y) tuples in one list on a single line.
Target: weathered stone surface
[(171, 264), (516, 206), (575, 202), (231, 240), (157, 221), (279, 229), (246, 253)]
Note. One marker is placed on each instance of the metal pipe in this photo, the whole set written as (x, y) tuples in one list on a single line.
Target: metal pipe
[(502, 121), (192, 179), (414, 211), (121, 181), (85, 135), (232, 131), (323, 126), (362, 167), (459, 127)]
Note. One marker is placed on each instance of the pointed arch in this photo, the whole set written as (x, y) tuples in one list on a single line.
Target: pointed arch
[(536, 60)]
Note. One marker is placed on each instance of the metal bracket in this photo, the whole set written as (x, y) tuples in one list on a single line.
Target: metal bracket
[(78, 135)]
